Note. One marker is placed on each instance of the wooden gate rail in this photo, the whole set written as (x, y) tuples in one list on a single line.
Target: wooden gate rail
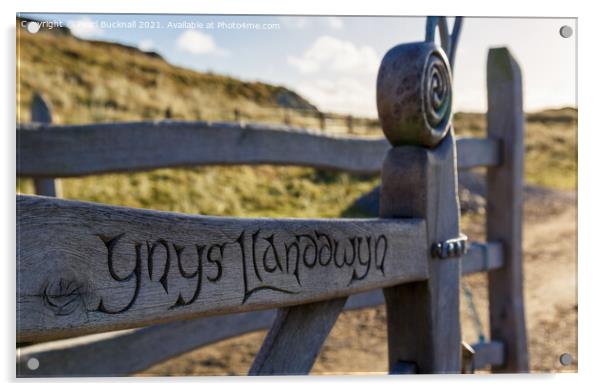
[(483, 257), (87, 267), (77, 150), (125, 352)]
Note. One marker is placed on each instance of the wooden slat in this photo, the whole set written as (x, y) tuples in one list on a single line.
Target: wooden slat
[(41, 113), (88, 149), (403, 368), (423, 318), (125, 352), (505, 121), (488, 353), (64, 151), (296, 337), (482, 257), (85, 268), (477, 152), (121, 353)]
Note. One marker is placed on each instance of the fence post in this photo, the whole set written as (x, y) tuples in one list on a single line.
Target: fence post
[(287, 117), (40, 112), (350, 123), (419, 179), (505, 122), (322, 119)]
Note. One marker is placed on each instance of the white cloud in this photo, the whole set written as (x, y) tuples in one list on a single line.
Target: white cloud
[(334, 23), (303, 65), (84, 27), (146, 45), (343, 95), (329, 53), (195, 42)]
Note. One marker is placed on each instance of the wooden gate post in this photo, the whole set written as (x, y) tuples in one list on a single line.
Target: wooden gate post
[(40, 112), (505, 122), (420, 180)]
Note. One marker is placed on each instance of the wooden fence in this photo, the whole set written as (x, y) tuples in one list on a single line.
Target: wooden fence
[(173, 282), (295, 116)]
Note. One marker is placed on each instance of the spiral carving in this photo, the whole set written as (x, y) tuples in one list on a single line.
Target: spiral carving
[(414, 94), (437, 91)]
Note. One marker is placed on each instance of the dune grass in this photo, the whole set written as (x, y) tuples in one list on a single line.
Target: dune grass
[(550, 145), (261, 191), (100, 82), (294, 191), (92, 81)]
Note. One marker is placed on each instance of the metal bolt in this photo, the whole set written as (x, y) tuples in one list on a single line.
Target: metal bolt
[(566, 359), (453, 249), (33, 27), (33, 364), (566, 31)]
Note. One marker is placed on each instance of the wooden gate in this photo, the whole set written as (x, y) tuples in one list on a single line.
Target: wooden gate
[(184, 281)]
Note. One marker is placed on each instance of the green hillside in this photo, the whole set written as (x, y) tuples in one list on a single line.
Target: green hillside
[(89, 81), (550, 145)]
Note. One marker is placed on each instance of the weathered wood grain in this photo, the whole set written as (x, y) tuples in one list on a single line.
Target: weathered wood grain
[(81, 150), (404, 368), (65, 151), (449, 42), (482, 257), (124, 352), (120, 353), (477, 152), (414, 94), (488, 353), (296, 337), (85, 268), (41, 113), (423, 318), (505, 121)]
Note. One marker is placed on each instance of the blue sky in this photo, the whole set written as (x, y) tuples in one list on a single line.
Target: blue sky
[(333, 61)]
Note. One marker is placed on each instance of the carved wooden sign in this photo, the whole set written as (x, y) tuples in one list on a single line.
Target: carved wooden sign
[(85, 267)]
